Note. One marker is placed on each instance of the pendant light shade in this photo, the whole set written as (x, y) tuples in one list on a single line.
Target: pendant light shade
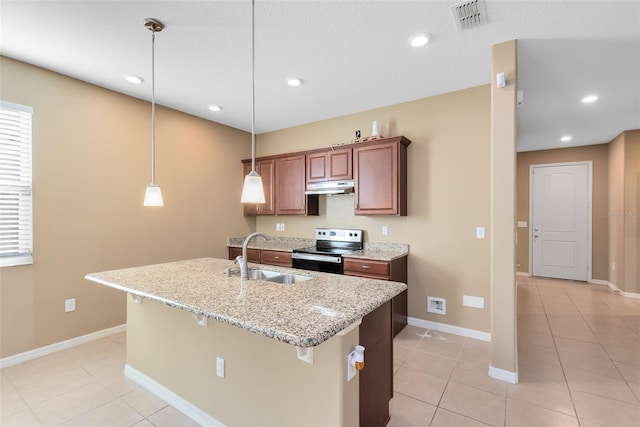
[(253, 191), (153, 195)]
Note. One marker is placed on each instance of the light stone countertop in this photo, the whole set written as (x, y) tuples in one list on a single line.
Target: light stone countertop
[(304, 314), (372, 250)]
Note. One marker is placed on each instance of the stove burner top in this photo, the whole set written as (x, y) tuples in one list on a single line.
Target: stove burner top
[(322, 251)]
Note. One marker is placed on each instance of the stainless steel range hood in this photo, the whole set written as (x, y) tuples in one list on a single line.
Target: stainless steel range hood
[(330, 187)]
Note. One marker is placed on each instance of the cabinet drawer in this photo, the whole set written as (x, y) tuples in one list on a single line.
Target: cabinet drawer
[(280, 258), (367, 268)]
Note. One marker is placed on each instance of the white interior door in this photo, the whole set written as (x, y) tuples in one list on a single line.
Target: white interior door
[(560, 221)]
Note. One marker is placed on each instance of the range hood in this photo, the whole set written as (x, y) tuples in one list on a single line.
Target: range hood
[(330, 187)]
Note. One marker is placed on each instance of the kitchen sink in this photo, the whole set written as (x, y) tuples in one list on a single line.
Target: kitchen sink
[(276, 277)]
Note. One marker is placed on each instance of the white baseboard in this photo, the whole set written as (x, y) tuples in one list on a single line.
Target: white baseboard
[(598, 282), (619, 291), (502, 375), (63, 345), (181, 404), (443, 327), (523, 274)]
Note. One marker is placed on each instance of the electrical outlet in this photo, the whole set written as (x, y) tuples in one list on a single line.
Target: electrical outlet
[(220, 367), (436, 305), (469, 301), (385, 230), (69, 305)]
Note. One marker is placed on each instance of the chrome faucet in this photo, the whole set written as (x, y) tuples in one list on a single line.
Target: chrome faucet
[(242, 259)]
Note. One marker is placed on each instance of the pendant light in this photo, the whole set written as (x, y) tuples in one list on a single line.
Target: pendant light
[(153, 195), (252, 191)]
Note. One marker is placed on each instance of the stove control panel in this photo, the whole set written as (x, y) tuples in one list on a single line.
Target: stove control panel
[(339, 235)]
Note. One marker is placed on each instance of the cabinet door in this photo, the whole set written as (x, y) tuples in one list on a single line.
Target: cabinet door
[(290, 187), (253, 255), (266, 170), (376, 179), (331, 165)]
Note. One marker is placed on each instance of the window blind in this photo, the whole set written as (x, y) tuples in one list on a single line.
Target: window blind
[(16, 210)]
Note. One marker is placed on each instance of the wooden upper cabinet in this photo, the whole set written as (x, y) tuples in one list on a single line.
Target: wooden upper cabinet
[(266, 170), (290, 187), (334, 165), (380, 169)]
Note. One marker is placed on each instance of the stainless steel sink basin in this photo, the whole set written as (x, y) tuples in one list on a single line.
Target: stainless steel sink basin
[(276, 277), (262, 274)]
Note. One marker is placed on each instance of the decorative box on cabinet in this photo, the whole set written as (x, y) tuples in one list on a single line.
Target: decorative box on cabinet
[(380, 175), (332, 165), (395, 270), (290, 187), (266, 170)]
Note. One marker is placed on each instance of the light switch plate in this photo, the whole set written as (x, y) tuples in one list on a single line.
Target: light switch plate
[(220, 367), (469, 301), (480, 233), (69, 305)]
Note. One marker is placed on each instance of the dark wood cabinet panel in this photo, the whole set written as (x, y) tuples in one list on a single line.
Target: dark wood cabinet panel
[(290, 188), (376, 379), (253, 255), (380, 175), (333, 165), (266, 170), (395, 270)]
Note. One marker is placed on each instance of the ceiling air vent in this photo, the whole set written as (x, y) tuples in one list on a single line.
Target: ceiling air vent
[(469, 14)]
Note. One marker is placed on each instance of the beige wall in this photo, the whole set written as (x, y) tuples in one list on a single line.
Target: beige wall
[(448, 196), (264, 384), (615, 207), (91, 164), (598, 154), (632, 211)]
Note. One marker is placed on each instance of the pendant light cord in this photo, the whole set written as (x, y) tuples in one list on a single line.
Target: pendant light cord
[(253, 86), (153, 109)]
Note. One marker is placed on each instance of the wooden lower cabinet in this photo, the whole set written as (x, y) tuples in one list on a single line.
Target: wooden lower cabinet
[(263, 256), (395, 270), (376, 379)]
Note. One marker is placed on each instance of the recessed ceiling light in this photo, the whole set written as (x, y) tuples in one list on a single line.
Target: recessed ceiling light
[(419, 39), (294, 81), (589, 99), (215, 108), (565, 138), (133, 79)]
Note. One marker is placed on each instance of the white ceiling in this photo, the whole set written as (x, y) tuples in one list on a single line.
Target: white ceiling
[(352, 55)]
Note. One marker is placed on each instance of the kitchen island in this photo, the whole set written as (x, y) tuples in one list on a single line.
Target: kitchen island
[(234, 352)]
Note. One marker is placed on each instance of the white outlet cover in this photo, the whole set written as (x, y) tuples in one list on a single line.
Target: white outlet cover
[(69, 305), (385, 230), (469, 301), (220, 367)]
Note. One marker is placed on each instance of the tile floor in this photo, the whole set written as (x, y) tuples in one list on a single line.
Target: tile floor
[(579, 365)]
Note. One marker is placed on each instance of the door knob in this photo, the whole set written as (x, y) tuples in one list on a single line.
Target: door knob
[(535, 235)]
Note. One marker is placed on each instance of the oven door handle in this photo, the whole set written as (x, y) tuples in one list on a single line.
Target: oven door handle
[(320, 258)]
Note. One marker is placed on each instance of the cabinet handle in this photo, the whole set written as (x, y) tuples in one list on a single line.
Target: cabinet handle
[(276, 257), (365, 266)]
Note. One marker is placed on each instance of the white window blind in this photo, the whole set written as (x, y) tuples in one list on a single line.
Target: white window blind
[(16, 213)]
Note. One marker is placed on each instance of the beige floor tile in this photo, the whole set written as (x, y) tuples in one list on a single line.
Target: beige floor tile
[(549, 396), (431, 364), (544, 339), (419, 385), (120, 338), (611, 388), (476, 375), (119, 385), (595, 365), (533, 371), (171, 417), (441, 346), (635, 388), (407, 412), (629, 371), (604, 411), (536, 354), (144, 401), (444, 418), (24, 418), (582, 347), (52, 386), (624, 353), (38, 369), (107, 367), (523, 414), (144, 423), (410, 336), (113, 414), (10, 401), (581, 334), (87, 353), (69, 405), (474, 403), (476, 351)]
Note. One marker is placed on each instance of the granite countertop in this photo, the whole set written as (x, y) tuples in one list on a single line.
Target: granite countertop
[(372, 250), (304, 314)]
